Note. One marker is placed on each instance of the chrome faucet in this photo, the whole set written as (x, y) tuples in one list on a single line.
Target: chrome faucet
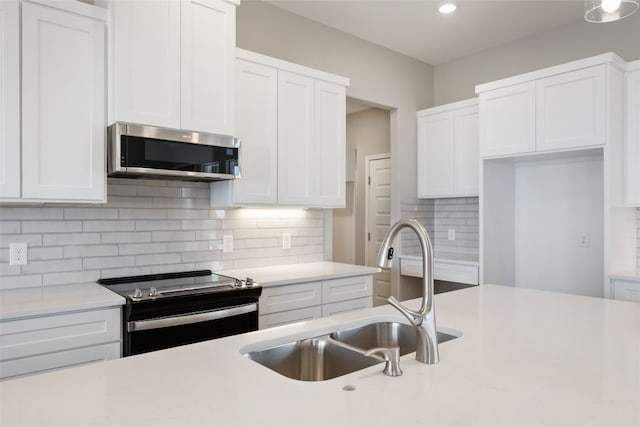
[(425, 318)]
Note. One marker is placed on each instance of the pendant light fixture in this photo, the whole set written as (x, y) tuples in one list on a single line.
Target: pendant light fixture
[(600, 11)]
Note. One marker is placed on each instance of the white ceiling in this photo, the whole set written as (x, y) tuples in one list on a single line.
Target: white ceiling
[(415, 27)]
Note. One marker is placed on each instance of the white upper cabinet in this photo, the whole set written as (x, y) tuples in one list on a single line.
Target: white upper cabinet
[(560, 108), (571, 109), (296, 139), (633, 135), (507, 124), (61, 155), (291, 122), (174, 64), (9, 99), (448, 150)]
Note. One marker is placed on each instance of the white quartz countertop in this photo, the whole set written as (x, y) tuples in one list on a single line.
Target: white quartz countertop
[(633, 275), (296, 273), (526, 358), (18, 303)]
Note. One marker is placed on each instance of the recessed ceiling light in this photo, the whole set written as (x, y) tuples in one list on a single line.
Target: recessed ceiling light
[(446, 8)]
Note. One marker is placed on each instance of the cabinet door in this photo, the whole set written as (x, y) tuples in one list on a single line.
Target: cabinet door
[(435, 155), (147, 57), (295, 139), (466, 158), (330, 144), (633, 138), (571, 110), (208, 40), (9, 99), (63, 105), (507, 120), (257, 127)]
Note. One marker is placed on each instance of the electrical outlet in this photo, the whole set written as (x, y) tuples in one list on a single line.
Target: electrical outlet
[(227, 243), (286, 240), (17, 253), (452, 234), (585, 240)]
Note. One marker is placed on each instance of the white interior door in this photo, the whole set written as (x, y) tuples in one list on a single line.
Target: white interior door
[(378, 217)]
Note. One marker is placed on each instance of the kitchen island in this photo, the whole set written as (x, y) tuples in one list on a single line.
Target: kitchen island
[(525, 357)]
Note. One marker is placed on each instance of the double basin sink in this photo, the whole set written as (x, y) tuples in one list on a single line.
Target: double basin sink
[(338, 353)]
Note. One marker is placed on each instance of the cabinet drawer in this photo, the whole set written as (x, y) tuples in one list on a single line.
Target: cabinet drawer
[(626, 290), (286, 317), (290, 297), (61, 359), (455, 272), (344, 306), (346, 289), (29, 337)]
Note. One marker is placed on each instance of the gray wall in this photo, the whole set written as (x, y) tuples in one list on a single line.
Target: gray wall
[(378, 75), (456, 80)]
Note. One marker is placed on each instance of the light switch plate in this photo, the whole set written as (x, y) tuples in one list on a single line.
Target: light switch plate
[(286, 240), (452, 234)]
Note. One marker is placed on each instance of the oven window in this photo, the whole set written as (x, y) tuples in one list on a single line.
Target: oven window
[(160, 154), (157, 339)]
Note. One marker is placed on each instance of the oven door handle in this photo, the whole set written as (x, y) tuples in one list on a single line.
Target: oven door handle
[(166, 322)]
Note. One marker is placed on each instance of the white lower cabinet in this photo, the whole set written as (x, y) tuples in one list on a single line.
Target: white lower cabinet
[(39, 344), (443, 269), (280, 305)]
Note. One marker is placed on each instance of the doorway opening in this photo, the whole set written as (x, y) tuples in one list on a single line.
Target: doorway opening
[(359, 227)]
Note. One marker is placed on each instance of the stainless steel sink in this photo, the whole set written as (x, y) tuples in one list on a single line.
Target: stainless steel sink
[(385, 334), (339, 353), (312, 359)]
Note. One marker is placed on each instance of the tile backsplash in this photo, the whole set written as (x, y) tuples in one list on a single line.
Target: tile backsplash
[(150, 227), (440, 215)]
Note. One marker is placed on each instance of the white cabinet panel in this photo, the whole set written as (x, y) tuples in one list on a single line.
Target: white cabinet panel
[(289, 297), (147, 58), (346, 288), (345, 306), (633, 138), (291, 316), (571, 109), (63, 105), (296, 149), (44, 343), (9, 99), (330, 134), (448, 150), (466, 157), (435, 155), (626, 290), (208, 39), (507, 124)]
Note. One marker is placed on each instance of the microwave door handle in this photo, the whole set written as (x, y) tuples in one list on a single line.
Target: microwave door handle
[(166, 322)]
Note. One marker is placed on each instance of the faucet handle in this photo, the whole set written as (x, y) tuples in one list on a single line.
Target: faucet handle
[(414, 317), (391, 356)]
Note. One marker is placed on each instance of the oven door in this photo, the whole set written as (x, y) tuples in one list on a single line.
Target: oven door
[(159, 333)]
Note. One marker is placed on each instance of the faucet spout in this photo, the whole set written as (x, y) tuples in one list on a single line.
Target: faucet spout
[(424, 319)]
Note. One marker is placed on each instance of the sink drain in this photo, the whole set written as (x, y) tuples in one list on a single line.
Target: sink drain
[(349, 387)]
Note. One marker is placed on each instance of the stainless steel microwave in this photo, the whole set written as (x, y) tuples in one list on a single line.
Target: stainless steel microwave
[(139, 151)]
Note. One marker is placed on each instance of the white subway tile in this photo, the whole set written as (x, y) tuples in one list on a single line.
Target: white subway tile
[(9, 227), (70, 239), (31, 213), (261, 243), (126, 213), (90, 213), (132, 237), (9, 270), (99, 263), (311, 258), (23, 281), (172, 268), (39, 253), (157, 225), (158, 259), (172, 236), (129, 202), (155, 191), (187, 246), (51, 226), (119, 190), (206, 235), (196, 224), (67, 278), (81, 251), (215, 265), (142, 248), (195, 193), (201, 256), (189, 184), (187, 214), (123, 272), (52, 266), (29, 239), (102, 226), (161, 202)]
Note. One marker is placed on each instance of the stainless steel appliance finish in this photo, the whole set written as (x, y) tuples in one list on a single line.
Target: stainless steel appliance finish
[(167, 310), (118, 156), (425, 318)]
